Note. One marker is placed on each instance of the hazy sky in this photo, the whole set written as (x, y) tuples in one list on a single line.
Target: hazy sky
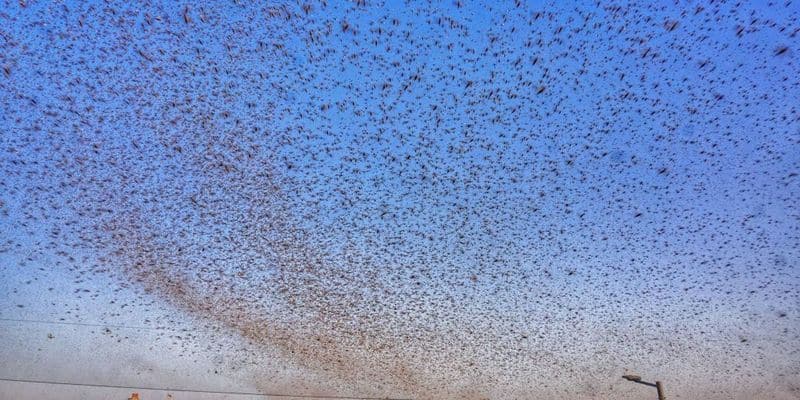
[(462, 199)]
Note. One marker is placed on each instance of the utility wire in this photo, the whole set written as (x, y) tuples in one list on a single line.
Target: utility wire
[(41, 321), (258, 394)]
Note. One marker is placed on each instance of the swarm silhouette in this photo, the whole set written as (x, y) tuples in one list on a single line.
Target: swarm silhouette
[(457, 200)]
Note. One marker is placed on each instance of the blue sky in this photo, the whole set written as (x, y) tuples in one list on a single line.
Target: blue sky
[(431, 200)]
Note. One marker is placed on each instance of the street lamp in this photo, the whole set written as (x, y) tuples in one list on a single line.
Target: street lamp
[(638, 379)]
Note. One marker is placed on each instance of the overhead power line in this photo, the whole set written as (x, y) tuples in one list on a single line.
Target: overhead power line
[(185, 390), (119, 326)]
